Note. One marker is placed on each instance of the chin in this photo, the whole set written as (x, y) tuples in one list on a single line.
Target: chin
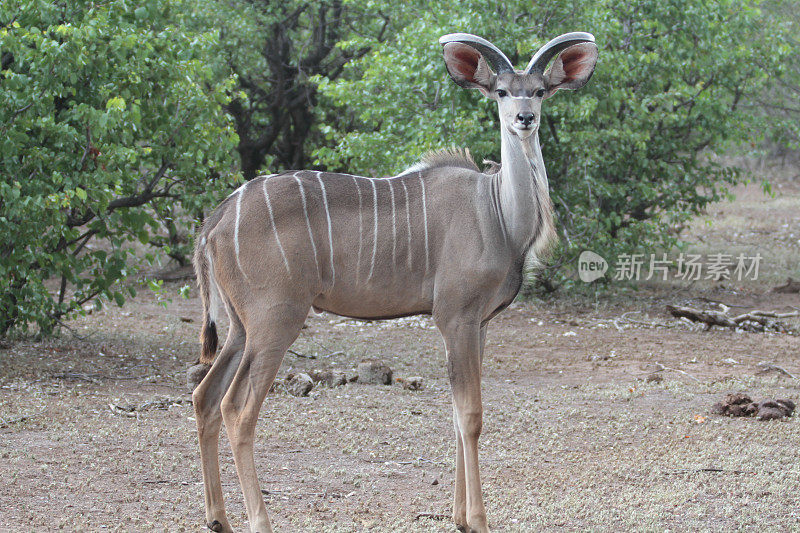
[(524, 134)]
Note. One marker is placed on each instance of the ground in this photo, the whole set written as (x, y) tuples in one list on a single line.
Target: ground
[(575, 437)]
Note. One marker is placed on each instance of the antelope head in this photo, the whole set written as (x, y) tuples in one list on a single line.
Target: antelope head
[(475, 63)]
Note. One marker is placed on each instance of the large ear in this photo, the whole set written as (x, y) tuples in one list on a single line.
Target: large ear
[(572, 68), (468, 68)]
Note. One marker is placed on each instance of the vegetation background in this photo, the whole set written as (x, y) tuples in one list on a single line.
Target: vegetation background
[(125, 122)]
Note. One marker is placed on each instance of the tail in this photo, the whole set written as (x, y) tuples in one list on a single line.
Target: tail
[(209, 295)]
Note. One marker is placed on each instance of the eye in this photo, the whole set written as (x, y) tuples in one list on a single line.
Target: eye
[(501, 93), (540, 93)]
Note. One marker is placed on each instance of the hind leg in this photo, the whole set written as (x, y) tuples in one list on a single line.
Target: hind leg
[(268, 338), (206, 400)]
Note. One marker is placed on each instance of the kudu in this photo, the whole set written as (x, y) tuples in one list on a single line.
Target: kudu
[(441, 238)]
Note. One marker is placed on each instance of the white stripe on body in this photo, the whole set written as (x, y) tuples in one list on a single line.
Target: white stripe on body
[(425, 219), (239, 188), (374, 228), (394, 227), (330, 234), (360, 230), (308, 221), (240, 192), (275, 229), (408, 220)]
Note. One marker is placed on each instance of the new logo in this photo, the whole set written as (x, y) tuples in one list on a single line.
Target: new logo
[(591, 266)]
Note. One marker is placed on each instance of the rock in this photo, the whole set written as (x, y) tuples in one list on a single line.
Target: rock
[(411, 383), (299, 384), (195, 375), (736, 410), (738, 404), (788, 406), (330, 378), (770, 413), (352, 376), (655, 377), (737, 398), (767, 409), (719, 408), (374, 372)]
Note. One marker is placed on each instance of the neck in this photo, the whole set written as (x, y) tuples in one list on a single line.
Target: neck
[(523, 192)]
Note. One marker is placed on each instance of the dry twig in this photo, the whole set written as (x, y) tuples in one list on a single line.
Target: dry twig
[(755, 321), (661, 368)]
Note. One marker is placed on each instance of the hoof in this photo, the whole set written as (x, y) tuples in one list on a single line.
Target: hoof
[(215, 526)]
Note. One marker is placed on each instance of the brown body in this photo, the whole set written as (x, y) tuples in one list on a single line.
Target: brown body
[(366, 273), (442, 239)]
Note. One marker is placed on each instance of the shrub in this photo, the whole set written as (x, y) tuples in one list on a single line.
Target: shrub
[(110, 116), (627, 155)]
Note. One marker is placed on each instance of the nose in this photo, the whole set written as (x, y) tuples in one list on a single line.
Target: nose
[(526, 118)]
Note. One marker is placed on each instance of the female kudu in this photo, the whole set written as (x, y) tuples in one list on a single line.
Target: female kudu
[(441, 238)]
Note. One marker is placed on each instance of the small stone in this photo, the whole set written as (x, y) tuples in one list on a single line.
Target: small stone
[(737, 398), (768, 406), (655, 377), (770, 413), (330, 378), (736, 410), (719, 408), (411, 383), (787, 405), (299, 384), (195, 375), (374, 372), (751, 409)]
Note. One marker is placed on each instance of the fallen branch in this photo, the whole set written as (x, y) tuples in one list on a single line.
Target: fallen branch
[(661, 368), (754, 321), (432, 516), (132, 410), (303, 355), (791, 286), (11, 421), (715, 470), (766, 367), (641, 322)]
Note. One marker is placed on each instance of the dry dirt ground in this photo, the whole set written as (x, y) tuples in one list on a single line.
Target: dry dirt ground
[(575, 436)]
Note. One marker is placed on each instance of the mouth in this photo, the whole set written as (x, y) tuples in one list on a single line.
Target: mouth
[(524, 130)]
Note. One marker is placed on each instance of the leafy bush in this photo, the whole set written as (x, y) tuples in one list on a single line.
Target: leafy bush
[(627, 155), (111, 121)]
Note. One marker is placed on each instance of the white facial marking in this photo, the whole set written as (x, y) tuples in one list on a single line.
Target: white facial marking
[(240, 192), (308, 221), (394, 227), (374, 228), (360, 229), (272, 223), (330, 235), (408, 221), (425, 220)]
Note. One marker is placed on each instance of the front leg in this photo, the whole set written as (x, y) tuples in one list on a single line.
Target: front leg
[(463, 341), (460, 489)]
